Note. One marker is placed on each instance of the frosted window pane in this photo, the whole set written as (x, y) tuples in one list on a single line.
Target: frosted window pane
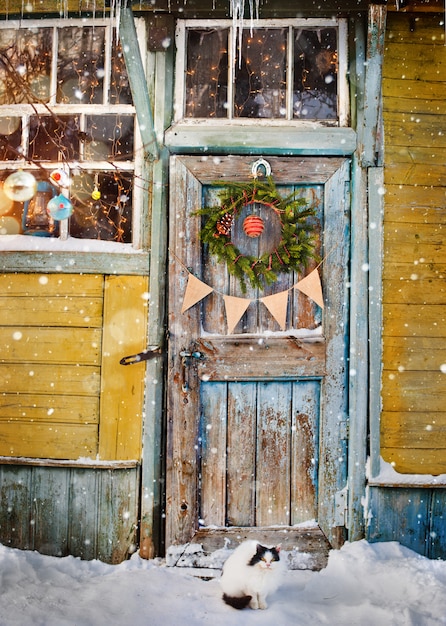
[(109, 137), (10, 138), (80, 65), (119, 82), (207, 73), (315, 74), (25, 65), (53, 138), (260, 80), (109, 217)]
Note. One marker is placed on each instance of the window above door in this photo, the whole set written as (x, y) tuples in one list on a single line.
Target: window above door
[(276, 72)]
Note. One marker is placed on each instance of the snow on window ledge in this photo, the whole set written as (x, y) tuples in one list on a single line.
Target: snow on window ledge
[(389, 477), (81, 462), (21, 243)]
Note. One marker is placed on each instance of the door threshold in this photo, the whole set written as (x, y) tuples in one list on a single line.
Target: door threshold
[(304, 547)]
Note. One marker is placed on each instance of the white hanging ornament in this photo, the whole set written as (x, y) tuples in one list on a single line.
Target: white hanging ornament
[(20, 186), (60, 177)]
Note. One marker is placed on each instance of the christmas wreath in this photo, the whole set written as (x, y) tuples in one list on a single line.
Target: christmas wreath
[(297, 243)]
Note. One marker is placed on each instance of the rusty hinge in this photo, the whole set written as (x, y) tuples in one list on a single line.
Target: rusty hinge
[(145, 355)]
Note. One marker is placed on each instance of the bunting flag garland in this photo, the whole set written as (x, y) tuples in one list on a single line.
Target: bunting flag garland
[(277, 305), (234, 307), (311, 287), (196, 290)]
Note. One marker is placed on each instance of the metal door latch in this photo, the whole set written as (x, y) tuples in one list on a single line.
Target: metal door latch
[(186, 356), (145, 355)]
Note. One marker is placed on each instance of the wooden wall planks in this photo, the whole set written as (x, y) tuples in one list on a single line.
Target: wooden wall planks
[(51, 326), (413, 517), (413, 420), (122, 388), (61, 340), (89, 513)]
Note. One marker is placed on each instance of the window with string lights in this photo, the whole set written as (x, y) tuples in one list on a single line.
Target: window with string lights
[(68, 146), (289, 70)]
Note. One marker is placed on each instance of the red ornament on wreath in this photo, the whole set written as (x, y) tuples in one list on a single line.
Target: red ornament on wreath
[(253, 226)]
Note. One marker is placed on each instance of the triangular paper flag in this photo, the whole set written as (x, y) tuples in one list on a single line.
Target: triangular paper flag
[(196, 290), (277, 306), (311, 287), (235, 307)]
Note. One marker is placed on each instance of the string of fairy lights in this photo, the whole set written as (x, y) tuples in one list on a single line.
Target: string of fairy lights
[(281, 72), (81, 163), (87, 157)]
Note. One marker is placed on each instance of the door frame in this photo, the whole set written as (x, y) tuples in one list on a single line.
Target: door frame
[(181, 470)]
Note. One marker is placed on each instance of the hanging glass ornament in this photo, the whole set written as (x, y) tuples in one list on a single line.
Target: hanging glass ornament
[(96, 194), (60, 178), (20, 186), (60, 208)]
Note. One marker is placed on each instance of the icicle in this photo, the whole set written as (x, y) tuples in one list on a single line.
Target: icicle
[(237, 12), (118, 17), (115, 8)]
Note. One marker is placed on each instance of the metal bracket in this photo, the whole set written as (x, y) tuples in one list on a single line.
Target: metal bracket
[(341, 507)]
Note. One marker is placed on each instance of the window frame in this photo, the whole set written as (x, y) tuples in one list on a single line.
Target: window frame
[(180, 71), (127, 257)]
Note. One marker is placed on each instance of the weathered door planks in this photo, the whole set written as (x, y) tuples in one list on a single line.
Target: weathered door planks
[(228, 462)]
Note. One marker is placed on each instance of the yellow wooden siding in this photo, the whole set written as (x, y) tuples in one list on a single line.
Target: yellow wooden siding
[(122, 392), (413, 420), (59, 7), (54, 338)]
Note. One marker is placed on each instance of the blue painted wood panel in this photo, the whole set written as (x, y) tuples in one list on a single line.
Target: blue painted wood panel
[(257, 452), (412, 516), (89, 513)]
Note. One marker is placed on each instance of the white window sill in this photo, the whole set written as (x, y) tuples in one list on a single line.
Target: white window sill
[(22, 253), (31, 243)]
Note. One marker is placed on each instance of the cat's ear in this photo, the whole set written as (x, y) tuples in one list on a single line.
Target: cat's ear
[(278, 547)]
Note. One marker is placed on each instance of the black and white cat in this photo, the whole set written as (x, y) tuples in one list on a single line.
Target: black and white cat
[(251, 573)]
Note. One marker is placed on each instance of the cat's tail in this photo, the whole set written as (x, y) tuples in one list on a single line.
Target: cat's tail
[(237, 603)]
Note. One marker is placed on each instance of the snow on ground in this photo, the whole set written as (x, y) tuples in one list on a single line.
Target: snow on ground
[(363, 585)]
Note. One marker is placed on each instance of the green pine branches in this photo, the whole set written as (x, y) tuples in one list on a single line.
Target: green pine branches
[(297, 244)]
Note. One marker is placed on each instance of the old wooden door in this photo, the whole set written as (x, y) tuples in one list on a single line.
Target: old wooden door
[(256, 419)]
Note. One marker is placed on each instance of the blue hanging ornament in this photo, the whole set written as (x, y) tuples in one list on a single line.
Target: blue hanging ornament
[(60, 208)]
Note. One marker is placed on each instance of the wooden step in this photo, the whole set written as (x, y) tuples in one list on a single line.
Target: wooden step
[(303, 547)]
